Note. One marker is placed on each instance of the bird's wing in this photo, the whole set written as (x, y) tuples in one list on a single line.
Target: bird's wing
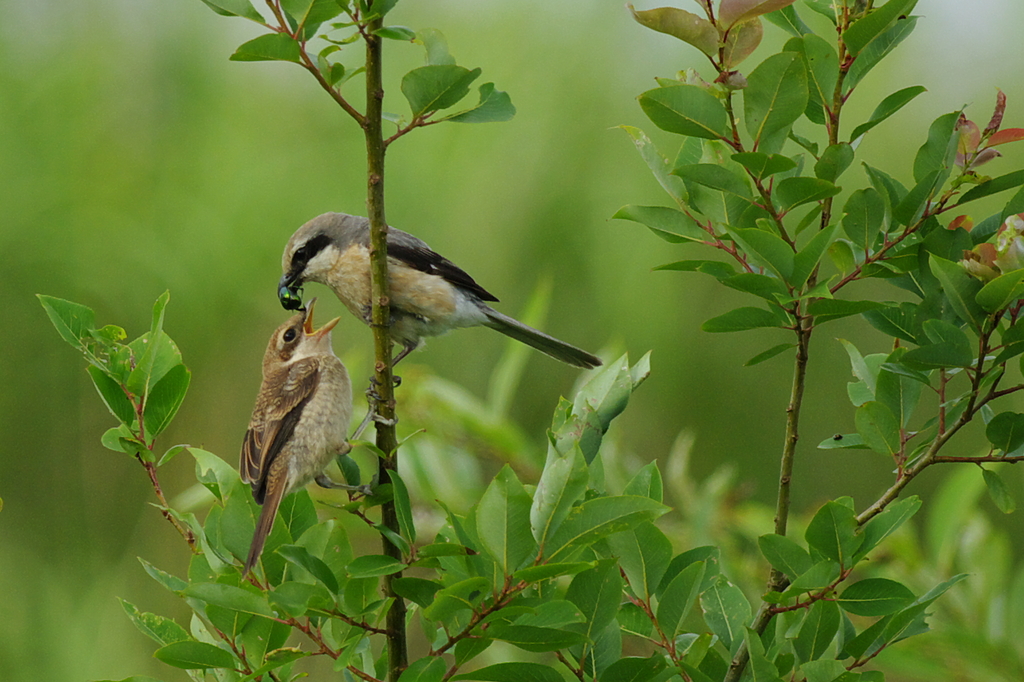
[(418, 255), (274, 418)]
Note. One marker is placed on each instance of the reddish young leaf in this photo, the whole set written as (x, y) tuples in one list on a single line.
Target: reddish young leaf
[(1007, 135)]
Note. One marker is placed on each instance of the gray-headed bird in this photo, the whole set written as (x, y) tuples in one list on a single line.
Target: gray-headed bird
[(300, 420), (429, 295)]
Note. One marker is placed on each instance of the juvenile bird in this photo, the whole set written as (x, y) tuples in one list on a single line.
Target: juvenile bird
[(429, 294), (300, 420)]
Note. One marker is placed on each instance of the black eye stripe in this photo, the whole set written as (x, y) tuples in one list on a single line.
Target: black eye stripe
[(309, 250)]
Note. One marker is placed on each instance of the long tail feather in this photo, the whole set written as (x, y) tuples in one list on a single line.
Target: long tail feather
[(560, 350)]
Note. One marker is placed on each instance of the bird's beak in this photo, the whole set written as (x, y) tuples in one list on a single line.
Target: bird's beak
[(289, 292), (308, 323)]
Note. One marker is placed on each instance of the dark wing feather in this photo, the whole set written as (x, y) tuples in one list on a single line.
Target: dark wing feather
[(423, 258), (277, 412)]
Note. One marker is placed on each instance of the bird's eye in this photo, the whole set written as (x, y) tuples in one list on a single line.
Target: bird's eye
[(289, 335), (300, 255)]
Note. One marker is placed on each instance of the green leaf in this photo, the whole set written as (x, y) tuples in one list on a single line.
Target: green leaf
[(234, 8), (596, 593), (961, 289), (301, 557), (646, 482), (436, 46), (775, 96), (598, 518), (828, 309), (428, 669), (840, 441), (195, 655), (513, 672), (877, 425), (532, 638), (819, 576), (678, 598), (644, 554), (937, 153), (562, 482), (113, 395), (768, 354), (741, 319), (793, 192), (534, 574), (769, 288), (635, 669), (72, 321), (1006, 431), (808, 257), (168, 581), (993, 186), (436, 86), (864, 214), (503, 521), (788, 20), (269, 47), (686, 110), (870, 27), (899, 392), (875, 597), (670, 224), (230, 597), (657, 163), (763, 165), (769, 249), (761, 668), (161, 630), (882, 526), (716, 177), (784, 554), (834, 161), (373, 566), (402, 33), (416, 589), (726, 610), (685, 26), (164, 399), (829, 670), (1002, 291), (495, 106), (817, 631), (998, 491), (461, 596), (833, 532), (877, 50), (822, 65), (886, 108)]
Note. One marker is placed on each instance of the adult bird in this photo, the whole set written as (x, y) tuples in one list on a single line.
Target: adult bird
[(429, 295), (300, 420)]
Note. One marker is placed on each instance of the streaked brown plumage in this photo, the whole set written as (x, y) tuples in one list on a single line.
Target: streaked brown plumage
[(429, 294), (300, 420)]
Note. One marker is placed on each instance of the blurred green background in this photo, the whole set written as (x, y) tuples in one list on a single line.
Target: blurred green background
[(135, 158)]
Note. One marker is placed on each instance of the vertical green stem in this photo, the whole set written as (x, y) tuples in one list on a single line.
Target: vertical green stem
[(381, 322)]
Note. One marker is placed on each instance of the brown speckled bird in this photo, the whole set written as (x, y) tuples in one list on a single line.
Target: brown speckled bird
[(300, 420), (429, 294)]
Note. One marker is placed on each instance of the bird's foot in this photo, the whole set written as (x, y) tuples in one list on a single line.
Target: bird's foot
[(325, 481)]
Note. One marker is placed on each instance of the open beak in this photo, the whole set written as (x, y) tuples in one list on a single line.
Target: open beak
[(289, 292), (307, 325)]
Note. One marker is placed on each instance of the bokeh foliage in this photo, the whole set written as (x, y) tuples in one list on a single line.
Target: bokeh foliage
[(151, 169)]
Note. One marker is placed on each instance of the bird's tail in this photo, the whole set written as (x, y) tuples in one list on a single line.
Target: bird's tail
[(560, 350), (274, 495)]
